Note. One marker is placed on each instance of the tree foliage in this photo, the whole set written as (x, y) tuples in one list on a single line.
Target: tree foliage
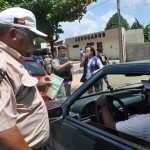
[(113, 22), (136, 25), (147, 33), (49, 13)]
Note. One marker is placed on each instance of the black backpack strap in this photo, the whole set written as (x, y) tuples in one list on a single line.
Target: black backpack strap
[(4, 75)]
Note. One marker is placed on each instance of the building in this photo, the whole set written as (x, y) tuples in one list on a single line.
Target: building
[(108, 40)]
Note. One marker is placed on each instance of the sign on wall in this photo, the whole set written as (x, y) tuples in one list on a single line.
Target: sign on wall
[(90, 37)]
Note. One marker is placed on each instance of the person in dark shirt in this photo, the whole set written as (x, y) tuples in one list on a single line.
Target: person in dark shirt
[(102, 56), (105, 61)]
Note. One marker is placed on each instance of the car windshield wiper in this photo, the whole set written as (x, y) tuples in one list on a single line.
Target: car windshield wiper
[(127, 84)]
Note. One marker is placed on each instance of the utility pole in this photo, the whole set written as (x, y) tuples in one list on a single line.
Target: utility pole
[(120, 32)]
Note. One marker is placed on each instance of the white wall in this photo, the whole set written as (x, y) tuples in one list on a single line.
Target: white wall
[(109, 39)]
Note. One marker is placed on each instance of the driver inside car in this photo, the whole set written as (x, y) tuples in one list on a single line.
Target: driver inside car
[(138, 126)]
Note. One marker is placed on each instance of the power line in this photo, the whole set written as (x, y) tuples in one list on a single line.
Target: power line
[(99, 4), (120, 8), (133, 6)]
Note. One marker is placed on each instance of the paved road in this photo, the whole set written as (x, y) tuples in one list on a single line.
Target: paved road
[(76, 80)]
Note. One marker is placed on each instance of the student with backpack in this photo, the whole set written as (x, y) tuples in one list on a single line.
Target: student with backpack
[(102, 57), (105, 61)]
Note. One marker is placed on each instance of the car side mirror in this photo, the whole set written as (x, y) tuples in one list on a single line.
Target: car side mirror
[(55, 113)]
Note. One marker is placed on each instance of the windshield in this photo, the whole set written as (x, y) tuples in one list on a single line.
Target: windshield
[(122, 81), (116, 82)]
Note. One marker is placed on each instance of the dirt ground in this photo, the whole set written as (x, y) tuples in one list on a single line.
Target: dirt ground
[(76, 80), (112, 79), (77, 76)]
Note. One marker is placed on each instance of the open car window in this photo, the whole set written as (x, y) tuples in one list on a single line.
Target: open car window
[(127, 88), (114, 82)]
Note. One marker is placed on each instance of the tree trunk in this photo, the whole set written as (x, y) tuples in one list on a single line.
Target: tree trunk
[(52, 47)]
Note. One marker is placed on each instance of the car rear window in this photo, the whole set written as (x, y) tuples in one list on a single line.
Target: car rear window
[(34, 68)]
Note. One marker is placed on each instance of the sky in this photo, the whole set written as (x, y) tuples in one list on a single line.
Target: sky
[(98, 14)]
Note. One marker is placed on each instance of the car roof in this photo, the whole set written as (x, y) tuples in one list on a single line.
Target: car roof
[(28, 58), (137, 67), (35, 68)]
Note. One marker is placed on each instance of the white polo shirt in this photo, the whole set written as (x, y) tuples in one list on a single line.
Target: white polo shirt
[(138, 126)]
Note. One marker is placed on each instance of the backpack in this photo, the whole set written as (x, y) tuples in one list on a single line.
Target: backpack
[(103, 58)]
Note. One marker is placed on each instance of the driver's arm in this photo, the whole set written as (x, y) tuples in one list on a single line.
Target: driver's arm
[(11, 139), (106, 115)]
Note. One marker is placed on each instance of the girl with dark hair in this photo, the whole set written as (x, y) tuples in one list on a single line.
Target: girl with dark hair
[(91, 64)]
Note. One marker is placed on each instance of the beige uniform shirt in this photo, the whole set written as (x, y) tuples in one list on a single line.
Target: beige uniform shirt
[(21, 105)]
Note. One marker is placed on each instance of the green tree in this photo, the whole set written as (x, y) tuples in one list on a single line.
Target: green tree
[(147, 33), (49, 13), (113, 22), (136, 25)]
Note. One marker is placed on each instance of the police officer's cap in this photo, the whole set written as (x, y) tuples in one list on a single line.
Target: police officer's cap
[(61, 47)]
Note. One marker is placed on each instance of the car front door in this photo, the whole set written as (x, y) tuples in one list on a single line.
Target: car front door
[(72, 134)]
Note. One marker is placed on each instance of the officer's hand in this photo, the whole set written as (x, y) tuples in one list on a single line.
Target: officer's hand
[(70, 63), (44, 81)]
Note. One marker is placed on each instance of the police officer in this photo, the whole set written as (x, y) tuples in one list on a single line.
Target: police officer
[(62, 67), (24, 120)]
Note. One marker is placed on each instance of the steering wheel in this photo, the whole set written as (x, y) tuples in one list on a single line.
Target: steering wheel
[(117, 114)]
